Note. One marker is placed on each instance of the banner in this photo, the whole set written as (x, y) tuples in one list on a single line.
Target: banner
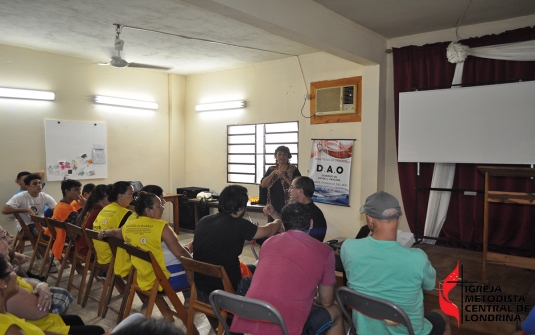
[(330, 168)]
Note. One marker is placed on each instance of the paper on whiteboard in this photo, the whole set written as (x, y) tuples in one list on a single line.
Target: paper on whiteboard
[(99, 154)]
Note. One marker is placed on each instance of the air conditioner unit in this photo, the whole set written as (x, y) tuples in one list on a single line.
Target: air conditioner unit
[(336, 100)]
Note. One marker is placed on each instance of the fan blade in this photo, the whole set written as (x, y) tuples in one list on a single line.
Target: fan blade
[(147, 66)]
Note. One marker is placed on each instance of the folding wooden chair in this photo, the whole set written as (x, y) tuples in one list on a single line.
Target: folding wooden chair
[(247, 308), (53, 227), (95, 269), (24, 235), (372, 307), (75, 232), (191, 266), (154, 295), (43, 242)]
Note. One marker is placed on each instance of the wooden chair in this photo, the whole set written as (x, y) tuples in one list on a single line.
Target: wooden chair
[(372, 307), (95, 269), (192, 266), (154, 296), (41, 243), (53, 227), (247, 308), (24, 235), (74, 232)]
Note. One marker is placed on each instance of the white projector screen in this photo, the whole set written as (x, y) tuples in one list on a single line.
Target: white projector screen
[(493, 124)]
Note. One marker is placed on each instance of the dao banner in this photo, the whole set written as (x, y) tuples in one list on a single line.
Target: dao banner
[(330, 168)]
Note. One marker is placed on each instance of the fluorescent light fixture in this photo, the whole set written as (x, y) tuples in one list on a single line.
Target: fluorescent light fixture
[(215, 106), (17, 93), (99, 99)]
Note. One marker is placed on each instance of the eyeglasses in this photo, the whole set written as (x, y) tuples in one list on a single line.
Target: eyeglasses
[(15, 269), (293, 187)]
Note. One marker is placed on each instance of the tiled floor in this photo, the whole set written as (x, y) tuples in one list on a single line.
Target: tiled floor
[(89, 313)]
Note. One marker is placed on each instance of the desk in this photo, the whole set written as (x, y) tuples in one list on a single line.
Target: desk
[(504, 197), (175, 200), (215, 204)]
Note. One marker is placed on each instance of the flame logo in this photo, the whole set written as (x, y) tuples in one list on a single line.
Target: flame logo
[(446, 305)]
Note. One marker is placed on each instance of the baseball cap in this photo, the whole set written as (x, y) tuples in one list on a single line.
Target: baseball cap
[(377, 203)]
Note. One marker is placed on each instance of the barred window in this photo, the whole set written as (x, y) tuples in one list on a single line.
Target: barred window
[(251, 148)]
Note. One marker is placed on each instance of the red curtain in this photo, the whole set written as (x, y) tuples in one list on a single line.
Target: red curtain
[(427, 67)]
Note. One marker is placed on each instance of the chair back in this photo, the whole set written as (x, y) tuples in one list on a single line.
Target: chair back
[(247, 308), (54, 225), (26, 230), (372, 307), (191, 266), (154, 295), (74, 232)]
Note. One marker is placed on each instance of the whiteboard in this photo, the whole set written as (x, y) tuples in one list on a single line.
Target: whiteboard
[(492, 124), (75, 150)]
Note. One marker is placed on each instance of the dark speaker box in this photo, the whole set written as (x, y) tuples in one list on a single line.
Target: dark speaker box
[(187, 210)]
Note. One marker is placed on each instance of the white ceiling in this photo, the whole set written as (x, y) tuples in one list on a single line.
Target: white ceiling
[(84, 28)]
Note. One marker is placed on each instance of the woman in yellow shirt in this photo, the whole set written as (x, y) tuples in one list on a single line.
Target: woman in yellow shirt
[(146, 230)]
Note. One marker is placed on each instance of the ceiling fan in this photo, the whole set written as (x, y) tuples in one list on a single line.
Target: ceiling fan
[(118, 62)]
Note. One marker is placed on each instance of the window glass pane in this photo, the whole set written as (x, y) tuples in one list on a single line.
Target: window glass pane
[(240, 168), (282, 138), (237, 139), (241, 178), (282, 127), (241, 159), (241, 149), (242, 129)]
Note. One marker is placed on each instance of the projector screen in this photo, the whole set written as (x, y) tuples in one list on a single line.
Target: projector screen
[(492, 124)]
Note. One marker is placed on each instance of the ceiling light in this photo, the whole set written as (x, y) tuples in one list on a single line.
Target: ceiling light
[(220, 106), (17, 93), (125, 102)]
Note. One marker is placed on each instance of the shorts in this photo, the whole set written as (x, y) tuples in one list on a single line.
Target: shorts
[(438, 322), (318, 321), (177, 277)]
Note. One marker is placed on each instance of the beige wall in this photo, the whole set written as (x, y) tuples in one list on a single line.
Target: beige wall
[(139, 141), (274, 92)]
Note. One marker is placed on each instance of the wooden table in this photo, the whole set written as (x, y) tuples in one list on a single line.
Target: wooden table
[(215, 204), (175, 200), (504, 197)]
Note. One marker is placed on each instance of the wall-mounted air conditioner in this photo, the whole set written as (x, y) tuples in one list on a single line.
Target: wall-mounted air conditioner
[(336, 100)]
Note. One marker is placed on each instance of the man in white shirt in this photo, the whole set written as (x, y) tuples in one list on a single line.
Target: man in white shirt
[(28, 203)]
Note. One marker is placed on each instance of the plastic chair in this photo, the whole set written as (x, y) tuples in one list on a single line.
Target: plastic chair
[(191, 266), (372, 307), (75, 232), (247, 308), (154, 295)]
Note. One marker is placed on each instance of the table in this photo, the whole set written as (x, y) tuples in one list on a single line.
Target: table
[(504, 197), (215, 204), (175, 200)]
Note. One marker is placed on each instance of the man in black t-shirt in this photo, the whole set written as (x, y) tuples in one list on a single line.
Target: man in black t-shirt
[(219, 239), (302, 190)]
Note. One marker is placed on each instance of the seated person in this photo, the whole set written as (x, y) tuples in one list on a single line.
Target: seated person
[(301, 190), (311, 265), (53, 299), (138, 324), (146, 230), (29, 203), (97, 200), (65, 212), (219, 240), (111, 217), (22, 175), (20, 304), (378, 264), (86, 192)]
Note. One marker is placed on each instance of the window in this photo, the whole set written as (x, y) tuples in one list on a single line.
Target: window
[(251, 148)]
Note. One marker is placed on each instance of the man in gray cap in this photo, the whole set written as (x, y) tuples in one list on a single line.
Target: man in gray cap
[(381, 267)]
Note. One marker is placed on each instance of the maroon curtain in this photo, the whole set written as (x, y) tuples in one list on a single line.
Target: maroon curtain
[(427, 67)]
